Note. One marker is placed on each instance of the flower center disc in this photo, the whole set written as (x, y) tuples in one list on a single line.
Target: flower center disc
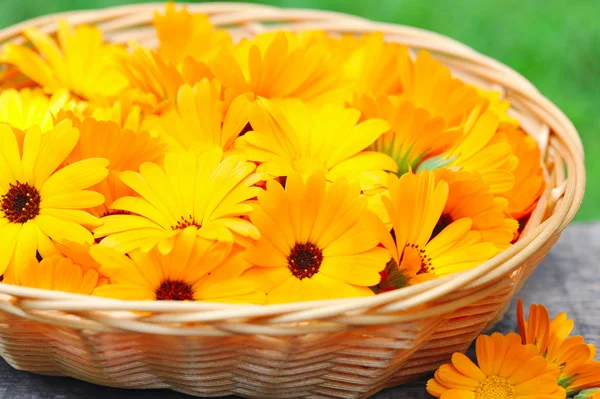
[(494, 387), (174, 290), (304, 260), (21, 203)]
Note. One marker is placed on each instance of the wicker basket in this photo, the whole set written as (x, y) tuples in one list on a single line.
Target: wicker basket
[(345, 348)]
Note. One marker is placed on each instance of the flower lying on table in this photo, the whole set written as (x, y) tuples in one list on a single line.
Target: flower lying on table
[(279, 168), (542, 361)]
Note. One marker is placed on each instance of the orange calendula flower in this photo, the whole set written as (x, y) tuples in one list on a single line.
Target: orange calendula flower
[(201, 119), (79, 61), (195, 269), (414, 206), (204, 191), (469, 197), (181, 34), (314, 243), (529, 176), (551, 338), (480, 150), (123, 148), (282, 65), (290, 136), (506, 369)]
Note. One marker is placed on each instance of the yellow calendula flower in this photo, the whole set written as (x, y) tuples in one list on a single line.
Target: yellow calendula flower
[(290, 136), (414, 134), (414, 206), (57, 273), (123, 148), (181, 34), (79, 61), (201, 119), (529, 176), (429, 84), (195, 269), (25, 108), (204, 191), (39, 201), (578, 369), (469, 197), (283, 65), (373, 65), (314, 243), (481, 150), (506, 369)]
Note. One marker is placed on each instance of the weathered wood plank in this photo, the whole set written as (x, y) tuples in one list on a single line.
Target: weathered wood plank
[(568, 280)]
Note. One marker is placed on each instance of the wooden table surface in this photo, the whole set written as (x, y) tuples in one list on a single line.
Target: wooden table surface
[(568, 280)]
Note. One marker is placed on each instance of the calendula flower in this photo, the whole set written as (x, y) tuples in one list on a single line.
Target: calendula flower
[(204, 191), (429, 84), (28, 107), (373, 65), (291, 136), (414, 134), (480, 150), (506, 369), (469, 197), (551, 338), (195, 269), (282, 65), (414, 206), (38, 201), (79, 62), (314, 243), (529, 176), (99, 140), (181, 34), (201, 119), (57, 273)]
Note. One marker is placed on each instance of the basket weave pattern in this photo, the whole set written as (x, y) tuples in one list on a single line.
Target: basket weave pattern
[(345, 348)]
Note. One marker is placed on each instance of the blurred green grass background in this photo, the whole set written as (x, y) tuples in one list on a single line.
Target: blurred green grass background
[(554, 43)]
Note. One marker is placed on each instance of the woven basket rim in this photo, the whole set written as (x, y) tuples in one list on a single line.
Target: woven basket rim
[(568, 197)]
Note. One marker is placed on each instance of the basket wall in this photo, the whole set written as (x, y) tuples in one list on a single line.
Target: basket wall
[(346, 349)]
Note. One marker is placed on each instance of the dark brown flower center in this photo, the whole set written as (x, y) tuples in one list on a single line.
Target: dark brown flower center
[(174, 290), (445, 221), (21, 203), (186, 222), (304, 260)]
